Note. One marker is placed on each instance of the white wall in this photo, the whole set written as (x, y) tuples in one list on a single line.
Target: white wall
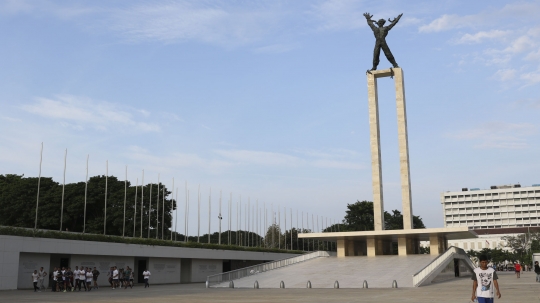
[(28, 262), (105, 254), (9, 262), (164, 270), (102, 263), (202, 268)]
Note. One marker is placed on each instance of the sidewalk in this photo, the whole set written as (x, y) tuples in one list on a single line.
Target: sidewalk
[(458, 291)]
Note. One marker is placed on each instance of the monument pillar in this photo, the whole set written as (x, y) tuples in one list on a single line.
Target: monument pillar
[(376, 167)]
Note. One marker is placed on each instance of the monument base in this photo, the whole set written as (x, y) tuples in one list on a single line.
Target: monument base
[(377, 243)]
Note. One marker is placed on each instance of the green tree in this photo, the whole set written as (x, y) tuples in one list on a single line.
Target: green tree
[(273, 237), (359, 217), (18, 204)]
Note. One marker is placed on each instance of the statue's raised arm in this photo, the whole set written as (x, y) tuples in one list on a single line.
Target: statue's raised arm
[(394, 22), (369, 20)]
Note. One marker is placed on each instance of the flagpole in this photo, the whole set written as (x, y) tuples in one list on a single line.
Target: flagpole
[(209, 212), (63, 187), (285, 217), (125, 198), (248, 217), (85, 194), (157, 208), (163, 213), (106, 187), (291, 231), (142, 201), (303, 247), (38, 184), (198, 213), (229, 217), (185, 215), (219, 217), (135, 208), (176, 218), (172, 205), (237, 226), (149, 210)]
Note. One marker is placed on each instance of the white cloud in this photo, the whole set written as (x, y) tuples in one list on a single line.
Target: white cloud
[(484, 35), (203, 21), (339, 14), (259, 157), (447, 22), (531, 78), (499, 135), (505, 75), (63, 11), (507, 15), (81, 112), (276, 48)]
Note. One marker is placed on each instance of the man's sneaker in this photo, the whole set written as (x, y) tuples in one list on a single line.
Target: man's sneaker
[(64, 290)]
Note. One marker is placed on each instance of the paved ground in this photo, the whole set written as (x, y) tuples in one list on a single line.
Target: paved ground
[(350, 272), (458, 291)]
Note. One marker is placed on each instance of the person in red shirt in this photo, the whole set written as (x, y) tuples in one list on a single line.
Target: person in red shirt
[(517, 267)]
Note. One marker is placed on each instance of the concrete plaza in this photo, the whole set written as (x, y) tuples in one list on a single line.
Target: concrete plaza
[(513, 291)]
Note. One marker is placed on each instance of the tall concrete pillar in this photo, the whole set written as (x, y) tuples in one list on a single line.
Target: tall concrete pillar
[(341, 247), (403, 150), (375, 144), (376, 166), (437, 245)]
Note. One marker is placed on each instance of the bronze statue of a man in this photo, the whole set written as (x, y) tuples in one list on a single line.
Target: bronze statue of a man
[(380, 34)]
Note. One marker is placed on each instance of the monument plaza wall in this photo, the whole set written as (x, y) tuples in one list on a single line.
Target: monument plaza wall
[(19, 256)]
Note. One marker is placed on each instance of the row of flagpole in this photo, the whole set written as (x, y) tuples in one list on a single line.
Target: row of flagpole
[(253, 221)]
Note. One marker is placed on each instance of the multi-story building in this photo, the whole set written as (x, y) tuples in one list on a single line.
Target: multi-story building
[(498, 207), (507, 210)]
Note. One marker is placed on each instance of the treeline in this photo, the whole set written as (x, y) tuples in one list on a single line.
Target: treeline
[(18, 206)]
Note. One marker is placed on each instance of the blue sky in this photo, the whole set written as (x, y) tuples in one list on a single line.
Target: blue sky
[(268, 99)]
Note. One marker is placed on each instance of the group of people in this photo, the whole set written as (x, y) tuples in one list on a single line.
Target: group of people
[(64, 279)]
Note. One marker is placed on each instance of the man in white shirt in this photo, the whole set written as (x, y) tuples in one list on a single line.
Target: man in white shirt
[(54, 276), (35, 278), (82, 278), (89, 276), (146, 274), (115, 277), (76, 276), (42, 275)]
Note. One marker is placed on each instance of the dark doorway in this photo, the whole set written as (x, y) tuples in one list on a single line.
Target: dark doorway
[(226, 265), (64, 262), (456, 268), (141, 266)]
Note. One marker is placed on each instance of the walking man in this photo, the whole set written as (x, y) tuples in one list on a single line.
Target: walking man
[(76, 276), (115, 277), (146, 274), (82, 278), (54, 277), (127, 275), (89, 278), (537, 271), (484, 281), (42, 275), (517, 267), (35, 278), (95, 274)]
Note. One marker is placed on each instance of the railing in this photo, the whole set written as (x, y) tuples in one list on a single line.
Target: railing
[(256, 269), (451, 253)]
